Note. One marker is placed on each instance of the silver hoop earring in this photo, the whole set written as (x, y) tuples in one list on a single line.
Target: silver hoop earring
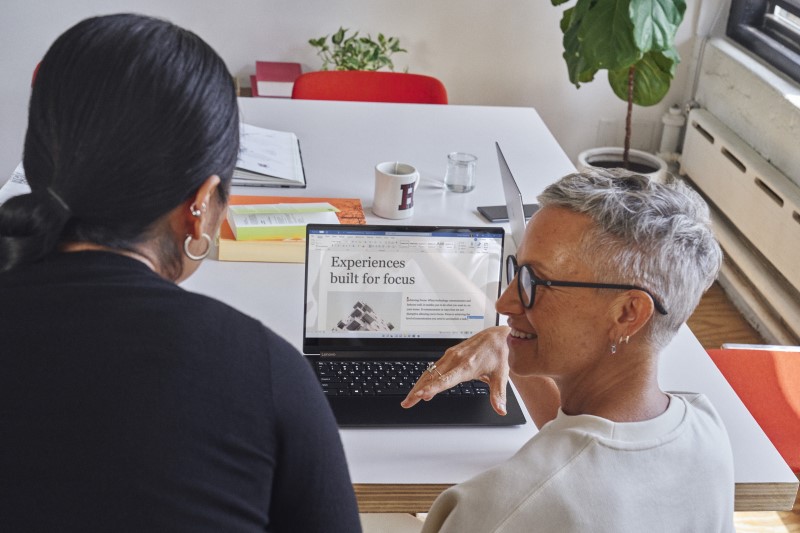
[(206, 237)]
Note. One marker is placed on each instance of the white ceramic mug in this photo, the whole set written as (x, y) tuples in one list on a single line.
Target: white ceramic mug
[(395, 184)]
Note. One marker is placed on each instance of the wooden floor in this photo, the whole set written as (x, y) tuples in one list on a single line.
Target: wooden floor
[(714, 322)]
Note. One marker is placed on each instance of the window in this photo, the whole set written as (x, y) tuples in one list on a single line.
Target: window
[(769, 29)]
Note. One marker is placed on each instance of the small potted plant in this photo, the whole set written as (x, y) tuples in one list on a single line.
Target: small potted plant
[(356, 53), (634, 40)]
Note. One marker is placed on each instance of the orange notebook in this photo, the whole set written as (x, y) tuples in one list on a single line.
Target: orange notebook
[(280, 251)]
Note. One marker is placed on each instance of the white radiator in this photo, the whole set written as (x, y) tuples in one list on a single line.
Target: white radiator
[(757, 220)]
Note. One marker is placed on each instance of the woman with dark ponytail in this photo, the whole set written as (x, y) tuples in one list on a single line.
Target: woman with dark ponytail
[(126, 402)]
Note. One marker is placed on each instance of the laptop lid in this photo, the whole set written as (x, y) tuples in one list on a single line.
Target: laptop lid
[(514, 205), (379, 290)]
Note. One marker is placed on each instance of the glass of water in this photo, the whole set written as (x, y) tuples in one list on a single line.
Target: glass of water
[(460, 176)]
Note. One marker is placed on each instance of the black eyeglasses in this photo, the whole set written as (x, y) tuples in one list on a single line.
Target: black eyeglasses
[(526, 286)]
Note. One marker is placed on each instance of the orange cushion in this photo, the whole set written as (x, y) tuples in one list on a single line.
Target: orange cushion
[(768, 384)]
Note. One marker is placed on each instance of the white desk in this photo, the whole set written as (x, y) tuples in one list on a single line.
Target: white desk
[(402, 470)]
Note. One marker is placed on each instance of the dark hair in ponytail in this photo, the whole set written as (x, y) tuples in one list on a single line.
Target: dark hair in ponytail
[(129, 115)]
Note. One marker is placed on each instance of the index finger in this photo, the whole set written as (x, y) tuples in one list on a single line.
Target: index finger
[(429, 385)]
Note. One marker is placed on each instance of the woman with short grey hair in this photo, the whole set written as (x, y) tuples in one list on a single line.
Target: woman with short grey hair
[(611, 266), (646, 233)]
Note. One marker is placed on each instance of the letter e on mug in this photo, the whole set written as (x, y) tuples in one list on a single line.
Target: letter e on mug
[(395, 184)]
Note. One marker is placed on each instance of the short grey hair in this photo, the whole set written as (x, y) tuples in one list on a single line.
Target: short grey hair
[(654, 235)]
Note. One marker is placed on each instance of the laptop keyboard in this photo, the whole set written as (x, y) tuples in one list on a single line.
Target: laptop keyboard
[(381, 378)]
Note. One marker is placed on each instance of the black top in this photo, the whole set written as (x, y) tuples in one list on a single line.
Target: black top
[(130, 404)]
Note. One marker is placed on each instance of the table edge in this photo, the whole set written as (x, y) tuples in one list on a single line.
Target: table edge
[(417, 498)]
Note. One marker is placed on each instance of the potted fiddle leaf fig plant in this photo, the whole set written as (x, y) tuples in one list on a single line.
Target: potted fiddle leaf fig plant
[(351, 52), (633, 40)]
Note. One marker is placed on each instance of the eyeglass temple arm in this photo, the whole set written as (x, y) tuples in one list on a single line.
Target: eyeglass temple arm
[(656, 303)]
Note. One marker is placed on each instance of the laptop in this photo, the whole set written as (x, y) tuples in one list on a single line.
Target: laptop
[(517, 213), (382, 302)]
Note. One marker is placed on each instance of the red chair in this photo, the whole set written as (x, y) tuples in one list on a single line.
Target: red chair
[(767, 380), (369, 86), (35, 72)]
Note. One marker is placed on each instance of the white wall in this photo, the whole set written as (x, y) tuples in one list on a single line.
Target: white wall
[(486, 53)]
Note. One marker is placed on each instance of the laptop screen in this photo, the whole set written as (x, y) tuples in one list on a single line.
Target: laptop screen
[(399, 287)]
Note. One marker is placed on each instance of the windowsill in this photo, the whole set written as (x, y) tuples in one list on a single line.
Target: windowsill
[(759, 104), (779, 83)]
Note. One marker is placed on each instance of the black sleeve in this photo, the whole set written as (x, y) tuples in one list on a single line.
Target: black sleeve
[(312, 489)]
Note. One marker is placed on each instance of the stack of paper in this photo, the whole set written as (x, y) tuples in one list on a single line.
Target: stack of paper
[(278, 221), (272, 228)]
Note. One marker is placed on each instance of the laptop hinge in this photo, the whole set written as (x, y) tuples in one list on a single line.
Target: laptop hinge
[(378, 354)]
